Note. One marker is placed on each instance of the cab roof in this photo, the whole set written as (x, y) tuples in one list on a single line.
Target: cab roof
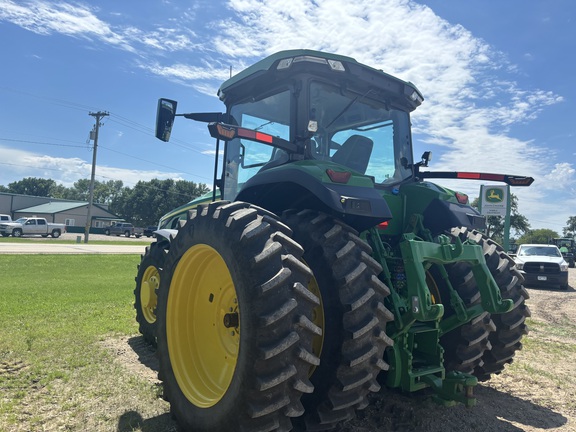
[(271, 67)]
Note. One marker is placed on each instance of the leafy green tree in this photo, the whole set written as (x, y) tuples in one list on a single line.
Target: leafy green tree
[(495, 224), (148, 201), (142, 205), (82, 189), (61, 192), (541, 236), (32, 186), (570, 229), (104, 192)]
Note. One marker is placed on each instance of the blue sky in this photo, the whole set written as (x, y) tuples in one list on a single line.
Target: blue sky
[(497, 77)]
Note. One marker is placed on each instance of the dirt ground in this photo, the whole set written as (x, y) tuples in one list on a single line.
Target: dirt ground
[(536, 393)]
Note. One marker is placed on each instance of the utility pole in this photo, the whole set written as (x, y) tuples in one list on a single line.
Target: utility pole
[(98, 115)]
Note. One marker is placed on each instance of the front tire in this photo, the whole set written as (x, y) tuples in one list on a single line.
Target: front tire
[(354, 318), (146, 291), (235, 323), (17, 233)]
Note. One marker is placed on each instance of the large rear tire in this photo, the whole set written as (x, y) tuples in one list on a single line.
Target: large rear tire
[(354, 319), (235, 323), (146, 291), (505, 340)]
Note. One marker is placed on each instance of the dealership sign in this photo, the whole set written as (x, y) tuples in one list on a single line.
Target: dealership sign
[(494, 200)]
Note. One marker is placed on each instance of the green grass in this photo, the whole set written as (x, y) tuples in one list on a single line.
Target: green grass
[(54, 311)]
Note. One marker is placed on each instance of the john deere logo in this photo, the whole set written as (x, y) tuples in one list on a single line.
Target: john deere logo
[(494, 195)]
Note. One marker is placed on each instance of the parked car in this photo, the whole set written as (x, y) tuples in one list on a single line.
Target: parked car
[(149, 231), (542, 264), (123, 228), (31, 226), (5, 218)]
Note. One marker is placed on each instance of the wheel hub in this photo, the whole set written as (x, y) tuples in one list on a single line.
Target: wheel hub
[(148, 297)]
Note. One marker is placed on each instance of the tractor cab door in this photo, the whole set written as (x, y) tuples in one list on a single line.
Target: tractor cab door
[(244, 158)]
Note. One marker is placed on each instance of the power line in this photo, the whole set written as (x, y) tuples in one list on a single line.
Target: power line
[(155, 163), (42, 143), (124, 121), (55, 101), (149, 131)]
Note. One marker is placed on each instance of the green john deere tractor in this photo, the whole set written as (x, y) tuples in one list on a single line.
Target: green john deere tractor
[(323, 265), (568, 248)]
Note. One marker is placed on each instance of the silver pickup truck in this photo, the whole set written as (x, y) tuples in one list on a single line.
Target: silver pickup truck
[(124, 228), (31, 226)]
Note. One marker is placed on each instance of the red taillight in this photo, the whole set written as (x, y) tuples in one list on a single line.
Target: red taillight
[(466, 175), (383, 225), (339, 176), (254, 135), (462, 198), (480, 176), (262, 137)]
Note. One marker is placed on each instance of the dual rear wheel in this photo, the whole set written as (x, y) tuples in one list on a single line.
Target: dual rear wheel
[(250, 339), (268, 326)]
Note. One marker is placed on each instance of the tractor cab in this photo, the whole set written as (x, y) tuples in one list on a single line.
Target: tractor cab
[(332, 109), (302, 125), (312, 130)]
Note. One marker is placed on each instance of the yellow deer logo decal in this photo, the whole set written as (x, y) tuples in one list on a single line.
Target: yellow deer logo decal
[(495, 195)]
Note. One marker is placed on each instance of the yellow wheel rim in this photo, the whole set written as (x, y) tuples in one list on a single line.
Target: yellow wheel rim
[(148, 298), (203, 326)]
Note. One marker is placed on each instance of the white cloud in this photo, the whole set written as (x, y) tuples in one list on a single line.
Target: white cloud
[(47, 17), (563, 173), (213, 152), (186, 72), (21, 164)]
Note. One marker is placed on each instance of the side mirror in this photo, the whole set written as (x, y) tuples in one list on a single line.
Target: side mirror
[(165, 118)]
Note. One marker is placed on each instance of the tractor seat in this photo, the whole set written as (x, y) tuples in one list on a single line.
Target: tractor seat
[(355, 153)]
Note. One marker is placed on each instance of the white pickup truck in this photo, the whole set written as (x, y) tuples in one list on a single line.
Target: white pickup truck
[(31, 226)]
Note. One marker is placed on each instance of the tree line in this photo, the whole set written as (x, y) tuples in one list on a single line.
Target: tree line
[(148, 201), (142, 205)]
